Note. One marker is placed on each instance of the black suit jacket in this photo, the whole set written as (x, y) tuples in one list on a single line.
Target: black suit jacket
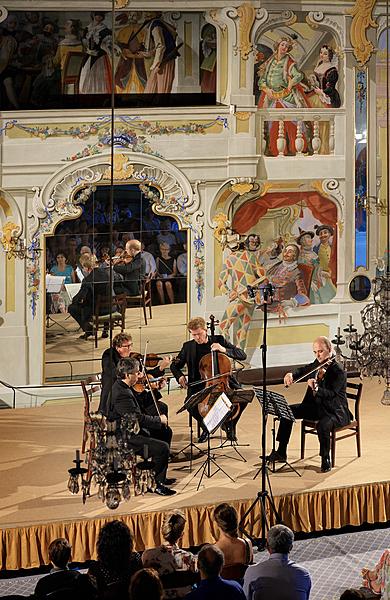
[(96, 283), (123, 402), (187, 356), (74, 583), (331, 397), (133, 273)]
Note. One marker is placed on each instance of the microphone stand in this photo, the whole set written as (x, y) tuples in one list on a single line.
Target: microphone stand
[(263, 497)]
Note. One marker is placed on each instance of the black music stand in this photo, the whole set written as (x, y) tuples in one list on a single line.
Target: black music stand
[(276, 405), (238, 396), (205, 467), (188, 404), (265, 495)]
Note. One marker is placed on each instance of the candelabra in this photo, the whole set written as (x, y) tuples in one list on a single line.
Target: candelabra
[(111, 464), (17, 248), (370, 351)]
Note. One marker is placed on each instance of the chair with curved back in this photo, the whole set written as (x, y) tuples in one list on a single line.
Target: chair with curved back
[(144, 298), (90, 386), (354, 394), (102, 315)]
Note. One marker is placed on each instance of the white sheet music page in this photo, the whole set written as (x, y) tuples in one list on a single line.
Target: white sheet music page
[(217, 412)]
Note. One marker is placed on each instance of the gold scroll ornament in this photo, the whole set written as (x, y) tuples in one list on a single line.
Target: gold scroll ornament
[(361, 21)]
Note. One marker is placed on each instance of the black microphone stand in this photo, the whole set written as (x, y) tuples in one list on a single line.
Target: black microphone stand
[(264, 498)]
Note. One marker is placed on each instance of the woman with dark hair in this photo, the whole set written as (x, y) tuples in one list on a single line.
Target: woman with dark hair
[(146, 585), (169, 557), (325, 77), (236, 550), (60, 301), (117, 562)]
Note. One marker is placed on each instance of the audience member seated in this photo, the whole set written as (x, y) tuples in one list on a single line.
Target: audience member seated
[(166, 272), (117, 562), (146, 585), (60, 301), (169, 557), (132, 267), (378, 579), (278, 577), (235, 549), (61, 578), (150, 262), (212, 586), (80, 271), (166, 236), (95, 284), (181, 264)]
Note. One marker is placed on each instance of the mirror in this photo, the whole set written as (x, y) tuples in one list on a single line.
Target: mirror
[(360, 288), (164, 253)]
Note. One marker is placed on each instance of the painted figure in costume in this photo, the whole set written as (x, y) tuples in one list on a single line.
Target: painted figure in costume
[(160, 46), (327, 290), (95, 76), (287, 278), (324, 79), (308, 262), (130, 74), (208, 67), (280, 87), (241, 268)]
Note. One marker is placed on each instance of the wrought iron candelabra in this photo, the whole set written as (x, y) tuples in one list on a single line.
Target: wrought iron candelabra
[(111, 464), (370, 350)]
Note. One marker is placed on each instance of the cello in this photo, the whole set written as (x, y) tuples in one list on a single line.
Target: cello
[(214, 368)]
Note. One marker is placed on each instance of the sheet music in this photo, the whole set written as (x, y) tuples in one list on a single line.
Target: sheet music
[(72, 289), (217, 413), (54, 283)]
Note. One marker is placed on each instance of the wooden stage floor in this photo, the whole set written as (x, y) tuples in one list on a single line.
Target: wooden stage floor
[(38, 445)]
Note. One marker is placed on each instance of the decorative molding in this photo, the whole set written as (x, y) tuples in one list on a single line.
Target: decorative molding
[(330, 188), (9, 235), (3, 14), (361, 20), (316, 18), (63, 195), (242, 188), (214, 18), (286, 17), (121, 3), (242, 115), (246, 14)]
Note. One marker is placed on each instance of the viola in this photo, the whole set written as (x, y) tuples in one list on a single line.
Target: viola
[(151, 360), (214, 368), (147, 382)]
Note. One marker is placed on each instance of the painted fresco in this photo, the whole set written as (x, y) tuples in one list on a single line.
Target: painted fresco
[(52, 60), (288, 239), (297, 67)]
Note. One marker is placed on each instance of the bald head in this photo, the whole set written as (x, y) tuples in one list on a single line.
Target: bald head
[(322, 348), (133, 247)]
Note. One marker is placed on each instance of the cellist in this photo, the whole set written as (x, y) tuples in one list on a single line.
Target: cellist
[(191, 353)]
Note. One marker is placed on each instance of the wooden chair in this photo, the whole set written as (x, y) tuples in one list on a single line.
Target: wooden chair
[(354, 394), (89, 386), (144, 298), (102, 314)]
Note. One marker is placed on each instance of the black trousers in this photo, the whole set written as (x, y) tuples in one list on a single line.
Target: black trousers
[(308, 410), (82, 314), (157, 450), (162, 433)]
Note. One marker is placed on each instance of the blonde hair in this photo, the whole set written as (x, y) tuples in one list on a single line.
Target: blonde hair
[(197, 323), (133, 245), (88, 261)]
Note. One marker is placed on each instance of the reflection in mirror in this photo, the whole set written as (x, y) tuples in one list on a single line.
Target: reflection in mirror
[(360, 288), (147, 255)]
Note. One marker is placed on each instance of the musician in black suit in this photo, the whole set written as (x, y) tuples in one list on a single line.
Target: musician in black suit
[(123, 402), (191, 354), (325, 401)]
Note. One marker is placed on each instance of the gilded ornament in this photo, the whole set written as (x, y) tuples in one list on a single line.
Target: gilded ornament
[(340, 227), (247, 14), (123, 169), (242, 115), (121, 3), (362, 20), (9, 235), (241, 188)]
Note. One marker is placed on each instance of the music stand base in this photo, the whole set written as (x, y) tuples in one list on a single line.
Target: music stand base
[(262, 498), (205, 467)]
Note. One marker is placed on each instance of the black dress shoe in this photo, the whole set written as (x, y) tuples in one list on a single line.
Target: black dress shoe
[(169, 480), (104, 333), (164, 491), (203, 437), (326, 465), (276, 457)]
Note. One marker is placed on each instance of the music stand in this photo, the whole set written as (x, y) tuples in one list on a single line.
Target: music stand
[(214, 419), (189, 403), (275, 405), (54, 285), (238, 396)]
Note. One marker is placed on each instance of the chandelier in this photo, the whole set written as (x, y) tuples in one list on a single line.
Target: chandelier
[(112, 466)]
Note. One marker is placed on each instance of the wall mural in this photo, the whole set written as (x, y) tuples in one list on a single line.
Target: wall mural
[(298, 66), (64, 60), (286, 238)]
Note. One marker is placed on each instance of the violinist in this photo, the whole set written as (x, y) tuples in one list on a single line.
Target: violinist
[(122, 401), (191, 354), (131, 266), (325, 401), (122, 347)]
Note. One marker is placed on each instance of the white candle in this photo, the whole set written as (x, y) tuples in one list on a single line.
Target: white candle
[(338, 331), (350, 320)]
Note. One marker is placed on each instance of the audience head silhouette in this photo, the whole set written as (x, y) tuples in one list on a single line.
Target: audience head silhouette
[(226, 518), (210, 561), (114, 546), (173, 526), (60, 552), (280, 539), (146, 585)]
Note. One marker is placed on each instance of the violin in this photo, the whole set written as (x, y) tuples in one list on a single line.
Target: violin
[(319, 370), (214, 368), (147, 382), (151, 359)]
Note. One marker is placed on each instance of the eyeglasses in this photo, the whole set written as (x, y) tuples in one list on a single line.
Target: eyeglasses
[(127, 346)]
